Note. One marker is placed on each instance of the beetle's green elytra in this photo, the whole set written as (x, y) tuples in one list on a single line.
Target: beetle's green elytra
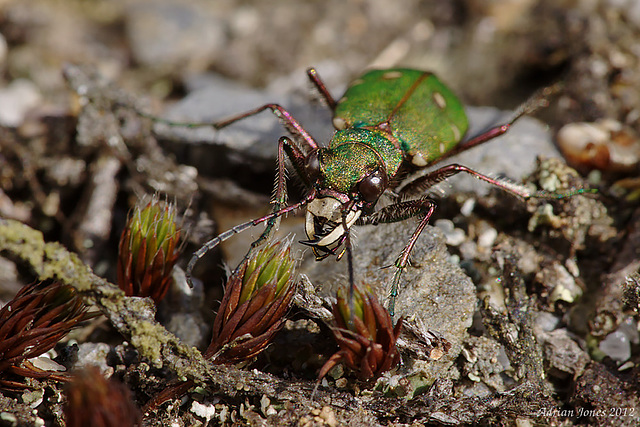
[(422, 114)]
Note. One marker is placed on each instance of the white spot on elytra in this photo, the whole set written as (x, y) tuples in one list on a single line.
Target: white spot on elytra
[(339, 123), (439, 100), (442, 148), (418, 160), (456, 133), (392, 75)]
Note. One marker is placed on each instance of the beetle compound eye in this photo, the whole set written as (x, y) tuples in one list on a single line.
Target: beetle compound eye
[(312, 166), (372, 186)]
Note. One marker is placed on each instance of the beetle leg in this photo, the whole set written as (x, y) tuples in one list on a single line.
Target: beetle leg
[(289, 122), (422, 183), (319, 84), (279, 198), (399, 212), (348, 250)]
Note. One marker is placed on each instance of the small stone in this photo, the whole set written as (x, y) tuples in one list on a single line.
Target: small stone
[(629, 327), (468, 250), (264, 403), (45, 363), (546, 321), (444, 419), (16, 99), (328, 416), (565, 287), (487, 237), (270, 411), (564, 355), (337, 371), (617, 346), (431, 288), (8, 418), (342, 383), (455, 236), (33, 398), (524, 422), (626, 365), (605, 144), (473, 377), (204, 411), (94, 354), (467, 207)]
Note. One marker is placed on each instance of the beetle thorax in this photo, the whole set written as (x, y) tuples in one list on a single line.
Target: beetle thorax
[(355, 153)]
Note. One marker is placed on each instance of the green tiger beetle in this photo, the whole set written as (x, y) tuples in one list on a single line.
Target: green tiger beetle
[(389, 123)]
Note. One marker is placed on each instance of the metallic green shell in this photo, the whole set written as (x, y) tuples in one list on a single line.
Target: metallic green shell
[(422, 113), (354, 154)]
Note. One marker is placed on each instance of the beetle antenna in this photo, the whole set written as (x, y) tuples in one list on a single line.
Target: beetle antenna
[(352, 284), (197, 255), (525, 192), (543, 194), (347, 247)]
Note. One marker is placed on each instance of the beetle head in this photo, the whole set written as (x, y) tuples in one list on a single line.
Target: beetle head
[(348, 180), (330, 216)]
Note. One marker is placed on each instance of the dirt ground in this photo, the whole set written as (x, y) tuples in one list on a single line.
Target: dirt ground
[(533, 305)]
